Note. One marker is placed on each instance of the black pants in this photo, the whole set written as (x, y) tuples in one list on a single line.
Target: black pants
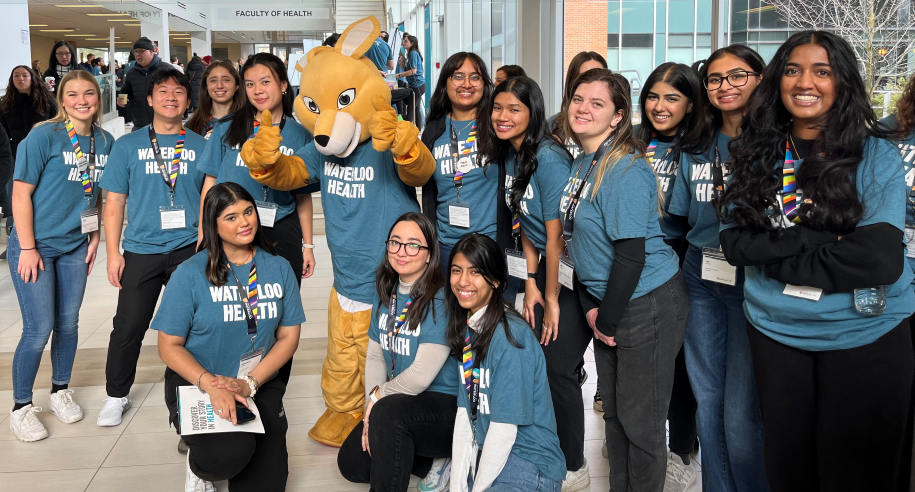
[(681, 416), (414, 106), (906, 478), (286, 236), (141, 283), (562, 357), (834, 420), (250, 462), (405, 434)]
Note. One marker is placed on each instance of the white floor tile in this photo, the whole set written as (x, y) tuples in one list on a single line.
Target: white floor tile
[(48, 480)]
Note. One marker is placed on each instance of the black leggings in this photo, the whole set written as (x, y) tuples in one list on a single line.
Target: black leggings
[(681, 416), (405, 434), (286, 236), (250, 462), (834, 420)]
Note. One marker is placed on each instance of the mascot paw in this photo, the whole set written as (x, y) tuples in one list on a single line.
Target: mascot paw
[(261, 152), (333, 427), (387, 132)]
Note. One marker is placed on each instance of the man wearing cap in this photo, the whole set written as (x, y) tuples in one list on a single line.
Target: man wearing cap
[(135, 81)]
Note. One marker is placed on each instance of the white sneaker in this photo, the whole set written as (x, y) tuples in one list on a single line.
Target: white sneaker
[(437, 478), (26, 426), (603, 450), (578, 480), (62, 405), (193, 483), (680, 476), (110, 415)]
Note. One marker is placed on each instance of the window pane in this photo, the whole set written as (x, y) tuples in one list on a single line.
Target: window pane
[(638, 16), (680, 18), (638, 59), (613, 17)]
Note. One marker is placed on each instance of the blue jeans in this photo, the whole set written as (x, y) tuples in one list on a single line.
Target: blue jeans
[(720, 371), (49, 306), (520, 475)]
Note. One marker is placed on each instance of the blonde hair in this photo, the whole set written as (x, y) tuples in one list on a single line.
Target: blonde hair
[(624, 141), (62, 115)]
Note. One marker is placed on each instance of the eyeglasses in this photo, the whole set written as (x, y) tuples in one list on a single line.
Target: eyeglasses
[(458, 79), (411, 249), (139, 52), (735, 79), (63, 53)]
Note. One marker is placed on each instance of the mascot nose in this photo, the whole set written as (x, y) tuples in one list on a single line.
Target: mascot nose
[(322, 140)]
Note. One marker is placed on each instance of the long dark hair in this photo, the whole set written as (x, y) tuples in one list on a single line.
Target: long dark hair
[(493, 149), (219, 198), (440, 105), (52, 63), (41, 97), (686, 81), (424, 290), (828, 174), (484, 254), (243, 120), (512, 71), (905, 112), (198, 122), (568, 89), (414, 46)]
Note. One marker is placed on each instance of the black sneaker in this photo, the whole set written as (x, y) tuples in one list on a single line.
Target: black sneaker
[(3, 257), (582, 375), (182, 446), (598, 403)]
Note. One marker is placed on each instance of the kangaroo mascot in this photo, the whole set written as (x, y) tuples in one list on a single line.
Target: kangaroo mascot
[(344, 102)]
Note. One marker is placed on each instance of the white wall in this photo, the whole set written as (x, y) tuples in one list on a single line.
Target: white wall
[(17, 48)]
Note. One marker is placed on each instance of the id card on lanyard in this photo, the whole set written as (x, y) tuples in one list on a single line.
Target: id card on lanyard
[(459, 213), (249, 360), (88, 218), (394, 325), (515, 259), (266, 210), (566, 266), (171, 217)]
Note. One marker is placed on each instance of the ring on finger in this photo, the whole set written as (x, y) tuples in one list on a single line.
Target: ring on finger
[(219, 411)]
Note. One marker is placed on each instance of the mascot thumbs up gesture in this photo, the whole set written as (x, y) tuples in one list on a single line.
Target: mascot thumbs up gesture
[(344, 102)]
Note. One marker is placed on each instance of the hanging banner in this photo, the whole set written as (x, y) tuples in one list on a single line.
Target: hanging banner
[(274, 17)]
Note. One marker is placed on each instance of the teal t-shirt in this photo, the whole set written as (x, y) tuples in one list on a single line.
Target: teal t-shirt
[(907, 152), (666, 166), (573, 149), (224, 163), (380, 53), (415, 61), (692, 196), (134, 171), (833, 323), (46, 160), (544, 192), (402, 350), (212, 318), (514, 390), (626, 206), (362, 195), (479, 187)]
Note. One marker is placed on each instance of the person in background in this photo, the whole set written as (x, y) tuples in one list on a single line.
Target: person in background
[(206, 60), (87, 65), (413, 73), (241, 64), (195, 71), (380, 54), (410, 381), (61, 62), (96, 66), (53, 246), (673, 118), (131, 61), (331, 40), (816, 198), (26, 103), (505, 428), (507, 72), (174, 62), (220, 95), (36, 66), (200, 348), (118, 74), (137, 79), (630, 284)]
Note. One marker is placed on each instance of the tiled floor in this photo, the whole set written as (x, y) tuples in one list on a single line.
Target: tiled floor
[(140, 454)]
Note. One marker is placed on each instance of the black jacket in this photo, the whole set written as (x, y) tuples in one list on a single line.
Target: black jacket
[(20, 119), (136, 89), (52, 72), (435, 129), (195, 76)]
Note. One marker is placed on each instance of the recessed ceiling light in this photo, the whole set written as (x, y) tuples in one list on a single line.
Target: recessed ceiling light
[(38, 25), (56, 30), (132, 25), (80, 6), (121, 20), (104, 15), (79, 35)]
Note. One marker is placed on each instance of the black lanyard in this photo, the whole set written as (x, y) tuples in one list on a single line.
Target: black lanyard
[(243, 294), (568, 223), (717, 172)]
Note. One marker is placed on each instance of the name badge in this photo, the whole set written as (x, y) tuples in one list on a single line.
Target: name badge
[(566, 271), (716, 268), (267, 213), (248, 362), (517, 264), (172, 217), (459, 215), (809, 293), (89, 220), (910, 242)]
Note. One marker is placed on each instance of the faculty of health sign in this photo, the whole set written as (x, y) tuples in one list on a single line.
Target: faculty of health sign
[(274, 17)]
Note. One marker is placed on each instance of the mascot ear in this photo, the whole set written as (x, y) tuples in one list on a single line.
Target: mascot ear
[(358, 37), (308, 56)]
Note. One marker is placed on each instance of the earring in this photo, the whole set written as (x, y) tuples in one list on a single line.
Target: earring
[(284, 93)]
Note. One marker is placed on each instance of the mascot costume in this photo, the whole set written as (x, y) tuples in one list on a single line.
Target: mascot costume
[(344, 102)]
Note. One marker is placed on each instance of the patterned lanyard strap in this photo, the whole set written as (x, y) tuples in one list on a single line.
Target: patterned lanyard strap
[(209, 127), (85, 164), (398, 323), (790, 193), (649, 153), (249, 302), (257, 124), (170, 176), (471, 372), (459, 150)]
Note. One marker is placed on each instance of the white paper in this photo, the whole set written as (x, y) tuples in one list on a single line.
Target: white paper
[(196, 415), (267, 213), (718, 270), (459, 215), (565, 274), (804, 292), (89, 221), (910, 242), (517, 266), (172, 218)]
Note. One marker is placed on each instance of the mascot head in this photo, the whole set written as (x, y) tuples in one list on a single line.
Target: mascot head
[(337, 87)]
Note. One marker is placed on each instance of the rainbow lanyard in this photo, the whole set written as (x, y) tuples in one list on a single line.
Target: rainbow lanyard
[(257, 124), (398, 323), (86, 165), (649, 153), (790, 193), (249, 303), (170, 176), (209, 128), (457, 151), (471, 368)]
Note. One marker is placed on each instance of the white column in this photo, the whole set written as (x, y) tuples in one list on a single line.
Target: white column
[(201, 46), (14, 38)]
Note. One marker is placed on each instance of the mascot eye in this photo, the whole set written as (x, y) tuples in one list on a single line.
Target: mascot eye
[(311, 105), (346, 98)]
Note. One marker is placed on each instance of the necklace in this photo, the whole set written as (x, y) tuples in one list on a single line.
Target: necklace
[(246, 260), (465, 126), (791, 137)]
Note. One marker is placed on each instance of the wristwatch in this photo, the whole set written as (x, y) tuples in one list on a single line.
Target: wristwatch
[(531, 275), (372, 394), (252, 384)]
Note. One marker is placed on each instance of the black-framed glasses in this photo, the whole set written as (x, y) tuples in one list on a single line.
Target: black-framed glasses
[(458, 78), (735, 79), (411, 249), (63, 53)]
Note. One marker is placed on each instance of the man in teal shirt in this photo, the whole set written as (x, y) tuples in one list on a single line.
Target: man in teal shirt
[(380, 54)]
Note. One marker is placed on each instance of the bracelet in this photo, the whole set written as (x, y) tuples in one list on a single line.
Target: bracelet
[(26, 249), (198, 381), (256, 382), (532, 275), (308, 246)]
